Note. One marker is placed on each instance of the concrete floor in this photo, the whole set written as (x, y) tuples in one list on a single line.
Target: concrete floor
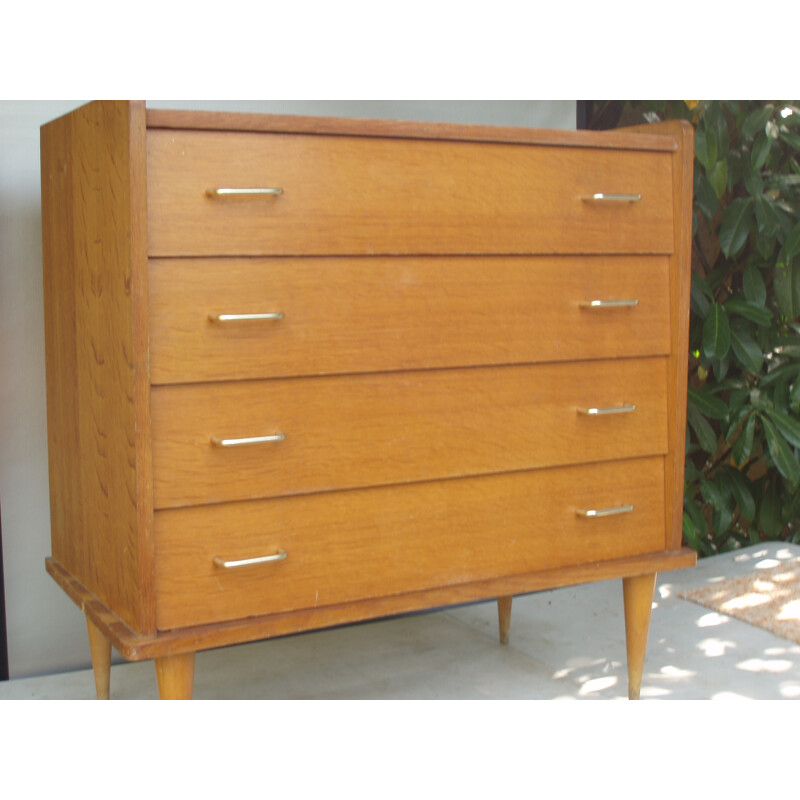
[(565, 644)]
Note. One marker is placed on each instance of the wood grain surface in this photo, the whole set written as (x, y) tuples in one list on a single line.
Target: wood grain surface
[(96, 353), (372, 314), (368, 430), (346, 546), (369, 196)]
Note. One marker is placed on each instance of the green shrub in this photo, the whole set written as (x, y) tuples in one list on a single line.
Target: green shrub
[(743, 434)]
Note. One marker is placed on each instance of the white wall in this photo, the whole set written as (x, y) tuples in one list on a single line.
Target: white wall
[(46, 632)]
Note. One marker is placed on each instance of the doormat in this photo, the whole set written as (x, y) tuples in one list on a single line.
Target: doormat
[(768, 598)]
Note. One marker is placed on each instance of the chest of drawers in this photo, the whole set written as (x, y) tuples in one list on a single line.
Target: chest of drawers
[(303, 372)]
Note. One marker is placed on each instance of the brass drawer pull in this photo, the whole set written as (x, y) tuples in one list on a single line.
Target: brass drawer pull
[(246, 562), (222, 192), (274, 437), (241, 317), (627, 408), (603, 512), (603, 197), (608, 303)]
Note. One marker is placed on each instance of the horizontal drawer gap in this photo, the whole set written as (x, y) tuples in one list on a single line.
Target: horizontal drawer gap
[(398, 255)]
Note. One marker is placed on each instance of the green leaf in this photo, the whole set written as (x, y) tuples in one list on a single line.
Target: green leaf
[(753, 182), (735, 228), (766, 219), (720, 367), (788, 346), (735, 419), (781, 453), (753, 285), (705, 197), (694, 527), (695, 512), (788, 428), (780, 399), (743, 446), (718, 177), (760, 151), (690, 533), (703, 285), (784, 220), (699, 303), (792, 139), (721, 522), (794, 397), (786, 283), (742, 493), (706, 437), (792, 243), (786, 372), (748, 310), (714, 119), (705, 147), (765, 245), (734, 160), (691, 473), (716, 333), (713, 495), (745, 347), (707, 404), (756, 121), (769, 510)]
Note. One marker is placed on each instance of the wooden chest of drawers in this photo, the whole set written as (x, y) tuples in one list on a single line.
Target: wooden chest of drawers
[(303, 372)]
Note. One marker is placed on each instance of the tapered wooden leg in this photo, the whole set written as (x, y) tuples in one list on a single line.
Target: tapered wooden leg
[(175, 676), (101, 660), (638, 597), (504, 616)]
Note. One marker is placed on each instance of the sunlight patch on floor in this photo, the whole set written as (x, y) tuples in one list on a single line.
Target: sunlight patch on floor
[(715, 647), (762, 665), (676, 672), (711, 619), (598, 684)]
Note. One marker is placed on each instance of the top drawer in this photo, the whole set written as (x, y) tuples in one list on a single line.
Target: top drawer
[(344, 195)]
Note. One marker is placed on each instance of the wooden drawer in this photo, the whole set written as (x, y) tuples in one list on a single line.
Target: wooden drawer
[(367, 196), (369, 430), (344, 546), (344, 315)]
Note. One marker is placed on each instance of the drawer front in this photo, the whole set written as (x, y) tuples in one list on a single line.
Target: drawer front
[(345, 315), (366, 196), (368, 430), (346, 546)]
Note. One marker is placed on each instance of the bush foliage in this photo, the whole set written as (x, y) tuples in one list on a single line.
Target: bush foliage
[(743, 430)]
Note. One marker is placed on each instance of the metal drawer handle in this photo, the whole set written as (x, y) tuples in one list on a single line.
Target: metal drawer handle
[(603, 197), (246, 562), (603, 512), (608, 303), (627, 408), (274, 437), (240, 317), (222, 192)]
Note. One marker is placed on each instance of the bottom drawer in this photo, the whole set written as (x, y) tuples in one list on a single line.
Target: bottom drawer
[(353, 545)]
